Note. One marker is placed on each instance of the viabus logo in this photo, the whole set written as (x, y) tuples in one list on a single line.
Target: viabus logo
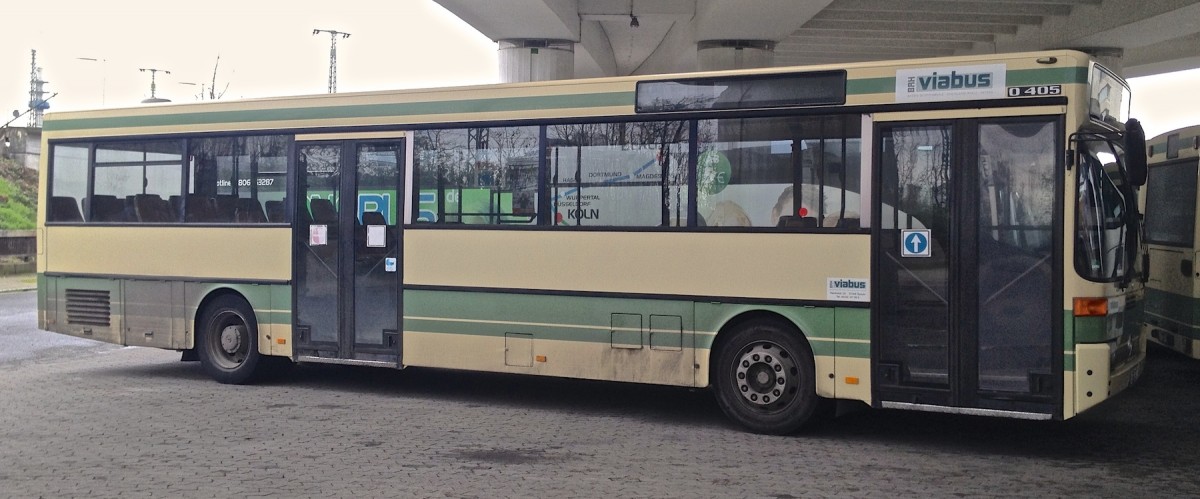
[(980, 81), (953, 81), (848, 284)]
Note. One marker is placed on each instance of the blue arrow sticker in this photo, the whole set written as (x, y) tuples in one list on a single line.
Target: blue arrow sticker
[(914, 243)]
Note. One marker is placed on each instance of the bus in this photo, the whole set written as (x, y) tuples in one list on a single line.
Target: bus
[(950, 235), (1173, 284)]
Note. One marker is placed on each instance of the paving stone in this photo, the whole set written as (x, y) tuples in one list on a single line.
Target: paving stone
[(138, 423)]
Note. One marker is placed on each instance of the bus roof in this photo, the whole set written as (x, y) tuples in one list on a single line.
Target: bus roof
[(867, 83)]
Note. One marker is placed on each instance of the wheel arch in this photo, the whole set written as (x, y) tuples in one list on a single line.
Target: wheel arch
[(268, 302), (213, 295), (207, 298), (747, 316), (801, 321), (814, 325)]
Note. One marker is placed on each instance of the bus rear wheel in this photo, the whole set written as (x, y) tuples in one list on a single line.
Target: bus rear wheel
[(227, 341), (764, 378)]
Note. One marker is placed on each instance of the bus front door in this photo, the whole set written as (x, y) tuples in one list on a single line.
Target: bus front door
[(347, 257), (966, 313)]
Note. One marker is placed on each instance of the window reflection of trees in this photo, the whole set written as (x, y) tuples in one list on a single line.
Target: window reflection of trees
[(604, 159), (1017, 183), (459, 163)]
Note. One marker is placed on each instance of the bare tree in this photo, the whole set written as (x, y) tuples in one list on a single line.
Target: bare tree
[(208, 91)]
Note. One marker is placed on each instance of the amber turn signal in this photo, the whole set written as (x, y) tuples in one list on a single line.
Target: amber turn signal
[(1091, 307)]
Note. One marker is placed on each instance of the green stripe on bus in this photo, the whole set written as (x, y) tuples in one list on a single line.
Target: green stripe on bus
[(1047, 76), (854, 350), (1091, 330), (598, 319), (466, 106), (854, 324), (271, 303), (862, 86), (564, 318)]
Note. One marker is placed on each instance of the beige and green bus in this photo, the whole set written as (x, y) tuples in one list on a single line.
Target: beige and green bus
[(949, 235), (1173, 287)]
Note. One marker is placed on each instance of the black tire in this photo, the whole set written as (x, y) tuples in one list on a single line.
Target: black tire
[(764, 378), (227, 341)]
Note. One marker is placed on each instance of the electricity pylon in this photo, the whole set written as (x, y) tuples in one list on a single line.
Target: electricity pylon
[(333, 36)]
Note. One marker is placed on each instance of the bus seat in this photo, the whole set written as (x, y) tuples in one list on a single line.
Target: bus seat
[(323, 211), (105, 208), (152, 208), (275, 211), (373, 218), (199, 208), (848, 223), (793, 221), (64, 209), (249, 211), (226, 209)]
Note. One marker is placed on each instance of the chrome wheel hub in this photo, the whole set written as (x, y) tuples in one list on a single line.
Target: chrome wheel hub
[(231, 338), (765, 374)]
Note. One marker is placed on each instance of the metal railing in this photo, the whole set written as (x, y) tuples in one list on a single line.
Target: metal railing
[(18, 251)]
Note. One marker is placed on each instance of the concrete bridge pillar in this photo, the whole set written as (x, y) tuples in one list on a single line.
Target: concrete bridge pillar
[(536, 60), (715, 55)]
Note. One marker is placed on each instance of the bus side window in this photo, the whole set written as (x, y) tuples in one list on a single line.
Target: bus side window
[(64, 209)]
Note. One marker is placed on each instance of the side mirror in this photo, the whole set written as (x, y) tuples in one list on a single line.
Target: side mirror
[(1135, 152)]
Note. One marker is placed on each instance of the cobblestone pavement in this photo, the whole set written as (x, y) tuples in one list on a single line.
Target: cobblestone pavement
[(137, 422)]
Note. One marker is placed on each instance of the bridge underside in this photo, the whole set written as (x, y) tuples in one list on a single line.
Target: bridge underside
[(601, 37)]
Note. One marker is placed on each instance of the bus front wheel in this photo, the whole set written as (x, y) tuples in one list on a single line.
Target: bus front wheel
[(227, 341), (764, 378)]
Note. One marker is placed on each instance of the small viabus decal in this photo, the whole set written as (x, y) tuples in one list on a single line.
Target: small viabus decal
[(848, 289), (985, 81)]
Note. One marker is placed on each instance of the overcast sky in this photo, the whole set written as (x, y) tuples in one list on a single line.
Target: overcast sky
[(267, 48)]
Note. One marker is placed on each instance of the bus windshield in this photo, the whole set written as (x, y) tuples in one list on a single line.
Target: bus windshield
[(1102, 211)]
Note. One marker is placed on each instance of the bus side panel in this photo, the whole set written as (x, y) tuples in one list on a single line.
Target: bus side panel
[(852, 374), (839, 337), (774, 266), (617, 339), (153, 312), (1172, 316), (47, 297), (205, 254), (86, 307)]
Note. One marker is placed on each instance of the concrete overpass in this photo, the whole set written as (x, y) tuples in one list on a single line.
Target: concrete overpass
[(550, 39)]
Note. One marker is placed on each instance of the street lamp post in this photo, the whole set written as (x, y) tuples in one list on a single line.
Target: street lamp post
[(16, 115), (153, 72)]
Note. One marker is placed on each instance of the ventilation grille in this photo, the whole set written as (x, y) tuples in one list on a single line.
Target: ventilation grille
[(88, 307)]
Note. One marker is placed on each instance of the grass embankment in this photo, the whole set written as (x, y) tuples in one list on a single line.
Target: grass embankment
[(18, 196)]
